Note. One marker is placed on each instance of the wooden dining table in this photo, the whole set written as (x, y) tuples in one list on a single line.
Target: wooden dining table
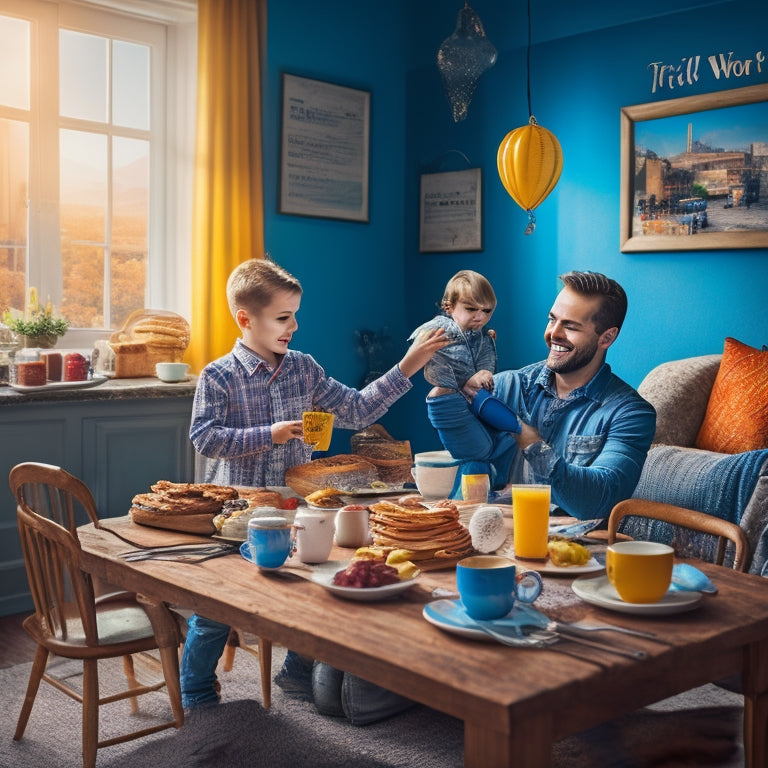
[(514, 702)]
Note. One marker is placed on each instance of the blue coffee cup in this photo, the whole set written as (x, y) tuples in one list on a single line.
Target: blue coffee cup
[(269, 541), (489, 585)]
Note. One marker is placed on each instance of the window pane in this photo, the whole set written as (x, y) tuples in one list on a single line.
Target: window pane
[(14, 175), (83, 76), (130, 201), (130, 85), (129, 278), (14, 63), (83, 267), (83, 165)]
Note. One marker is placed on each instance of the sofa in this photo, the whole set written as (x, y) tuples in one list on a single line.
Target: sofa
[(732, 486)]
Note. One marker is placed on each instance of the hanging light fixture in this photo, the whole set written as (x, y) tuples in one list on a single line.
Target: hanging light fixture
[(530, 158), (462, 58)]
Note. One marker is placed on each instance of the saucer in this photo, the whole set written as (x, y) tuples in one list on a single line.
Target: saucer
[(599, 591), (449, 615)]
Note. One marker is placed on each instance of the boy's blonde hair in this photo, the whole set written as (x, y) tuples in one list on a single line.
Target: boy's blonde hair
[(468, 286), (253, 284)]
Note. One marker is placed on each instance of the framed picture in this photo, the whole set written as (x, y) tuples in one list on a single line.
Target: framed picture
[(451, 211), (324, 150), (694, 172)]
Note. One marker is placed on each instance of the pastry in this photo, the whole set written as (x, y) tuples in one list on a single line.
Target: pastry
[(345, 472)]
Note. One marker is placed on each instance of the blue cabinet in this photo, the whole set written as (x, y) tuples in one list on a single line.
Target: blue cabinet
[(118, 438)]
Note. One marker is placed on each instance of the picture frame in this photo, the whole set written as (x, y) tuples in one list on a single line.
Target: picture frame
[(676, 195), (451, 211), (324, 154)]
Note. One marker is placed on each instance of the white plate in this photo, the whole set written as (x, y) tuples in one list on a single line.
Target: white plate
[(386, 491), (55, 385), (599, 591), (323, 509), (550, 569), (361, 594)]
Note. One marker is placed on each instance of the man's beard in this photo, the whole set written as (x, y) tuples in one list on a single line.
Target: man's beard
[(574, 362)]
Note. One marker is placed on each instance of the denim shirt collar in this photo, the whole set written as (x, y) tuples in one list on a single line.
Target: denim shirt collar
[(593, 389)]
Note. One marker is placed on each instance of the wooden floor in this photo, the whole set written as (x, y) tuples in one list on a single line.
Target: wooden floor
[(16, 646)]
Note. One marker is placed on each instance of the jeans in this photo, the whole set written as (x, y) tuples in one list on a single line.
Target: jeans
[(481, 449), (203, 647)]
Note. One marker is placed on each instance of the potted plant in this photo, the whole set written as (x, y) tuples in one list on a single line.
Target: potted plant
[(37, 326)]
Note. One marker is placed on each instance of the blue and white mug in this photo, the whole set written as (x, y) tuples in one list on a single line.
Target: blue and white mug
[(270, 541)]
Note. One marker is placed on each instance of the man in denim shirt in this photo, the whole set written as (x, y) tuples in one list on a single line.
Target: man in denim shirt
[(584, 430)]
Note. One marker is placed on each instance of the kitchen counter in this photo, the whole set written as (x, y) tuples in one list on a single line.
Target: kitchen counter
[(112, 389)]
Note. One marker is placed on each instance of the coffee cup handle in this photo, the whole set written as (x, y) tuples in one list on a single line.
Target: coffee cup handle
[(528, 586)]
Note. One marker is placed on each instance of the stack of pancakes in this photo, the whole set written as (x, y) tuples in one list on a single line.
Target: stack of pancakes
[(181, 506), (429, 533)]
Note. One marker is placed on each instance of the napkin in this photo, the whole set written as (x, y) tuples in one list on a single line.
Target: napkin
[(687, 578)]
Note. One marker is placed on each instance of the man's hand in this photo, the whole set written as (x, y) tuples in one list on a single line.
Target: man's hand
[(527, 436), (421, 351), (283, 431)]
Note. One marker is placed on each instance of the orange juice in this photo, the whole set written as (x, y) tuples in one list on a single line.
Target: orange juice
[(530, 520)]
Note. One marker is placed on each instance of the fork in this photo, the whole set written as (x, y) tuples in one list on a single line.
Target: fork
[(191, 552), (545, 638)]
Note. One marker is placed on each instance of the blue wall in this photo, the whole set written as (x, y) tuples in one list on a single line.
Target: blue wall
[(587, 63)]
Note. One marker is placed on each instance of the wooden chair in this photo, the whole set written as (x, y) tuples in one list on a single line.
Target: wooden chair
[(687, 518), (69, 621)]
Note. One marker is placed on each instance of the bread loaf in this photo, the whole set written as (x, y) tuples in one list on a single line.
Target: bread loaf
[(392, 458), (346, 472)]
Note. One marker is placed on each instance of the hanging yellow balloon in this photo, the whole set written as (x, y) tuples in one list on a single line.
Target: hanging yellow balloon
[(529, 161)]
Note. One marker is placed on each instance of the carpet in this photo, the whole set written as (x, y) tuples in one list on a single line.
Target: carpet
[(705, 730)]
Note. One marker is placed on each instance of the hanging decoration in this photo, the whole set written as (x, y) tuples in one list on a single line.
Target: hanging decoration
[(462, 58), (530, 158)]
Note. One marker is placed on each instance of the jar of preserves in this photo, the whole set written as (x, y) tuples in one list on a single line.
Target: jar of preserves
[(75, 367)]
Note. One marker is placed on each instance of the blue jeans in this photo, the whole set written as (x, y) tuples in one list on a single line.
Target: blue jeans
[(481, 449), (203, 647)]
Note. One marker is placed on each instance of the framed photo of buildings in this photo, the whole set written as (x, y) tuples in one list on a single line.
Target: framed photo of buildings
[(324, 150), (694, 172), (451, 211)]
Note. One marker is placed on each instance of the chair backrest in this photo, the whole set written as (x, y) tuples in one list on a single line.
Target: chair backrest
[(53, 493), (724, 530), (62, 592)]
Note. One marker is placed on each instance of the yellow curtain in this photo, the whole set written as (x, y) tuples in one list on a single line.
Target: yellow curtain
[(228, 208)]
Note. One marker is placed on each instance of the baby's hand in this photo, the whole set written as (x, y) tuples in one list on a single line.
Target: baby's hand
[(283, 431), (481, 380), (421, 351)]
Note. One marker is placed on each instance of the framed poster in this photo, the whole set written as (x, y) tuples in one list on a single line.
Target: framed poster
[(324, 150), (451, 213), (694, 172)]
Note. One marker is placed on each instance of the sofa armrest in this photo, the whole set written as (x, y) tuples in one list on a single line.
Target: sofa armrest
[(679, 391)]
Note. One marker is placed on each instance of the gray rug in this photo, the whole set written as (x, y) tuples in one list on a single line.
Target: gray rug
[(705, 730)]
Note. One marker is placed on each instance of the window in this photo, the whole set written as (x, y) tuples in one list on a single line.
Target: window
[(91, 212)]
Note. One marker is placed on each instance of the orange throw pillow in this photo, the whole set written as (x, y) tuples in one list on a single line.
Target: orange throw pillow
[(737, 413)]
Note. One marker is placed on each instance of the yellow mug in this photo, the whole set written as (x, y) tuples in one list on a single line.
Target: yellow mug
[(640, 571), (318, 428), (530, 520)]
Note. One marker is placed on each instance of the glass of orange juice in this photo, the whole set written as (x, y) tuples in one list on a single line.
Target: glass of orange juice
[(530, 520)]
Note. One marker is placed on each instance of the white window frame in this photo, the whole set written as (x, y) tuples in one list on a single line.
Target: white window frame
[(173, 53)]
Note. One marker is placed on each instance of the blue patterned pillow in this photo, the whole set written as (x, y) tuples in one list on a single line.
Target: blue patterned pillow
[(731, 486)]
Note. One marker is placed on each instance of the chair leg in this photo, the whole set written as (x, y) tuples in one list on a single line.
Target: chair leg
[(90, 711), (228, 657), (265, 665), (35, 676), (130, 676)]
